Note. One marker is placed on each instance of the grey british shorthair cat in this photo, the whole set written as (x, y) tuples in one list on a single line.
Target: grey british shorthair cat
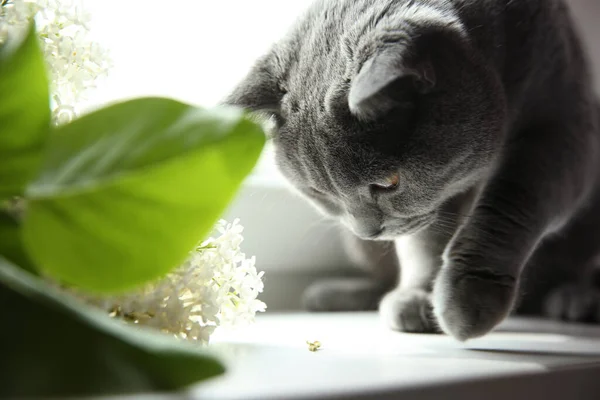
[(466, 131)]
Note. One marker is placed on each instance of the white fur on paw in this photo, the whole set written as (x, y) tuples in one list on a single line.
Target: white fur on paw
[(408, 311)]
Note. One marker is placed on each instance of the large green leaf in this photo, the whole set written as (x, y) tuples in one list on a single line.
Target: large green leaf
[(24, 111), (127, 191), (50, 345), (11, 245)]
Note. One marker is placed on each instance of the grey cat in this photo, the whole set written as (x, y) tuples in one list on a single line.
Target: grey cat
[(465, 131)]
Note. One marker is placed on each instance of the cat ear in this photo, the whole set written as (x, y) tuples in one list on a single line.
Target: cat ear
[(258, 91), (388, 80)]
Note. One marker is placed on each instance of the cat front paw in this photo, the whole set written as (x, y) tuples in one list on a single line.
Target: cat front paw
[(470, 302), (408, 311), (574, 303)]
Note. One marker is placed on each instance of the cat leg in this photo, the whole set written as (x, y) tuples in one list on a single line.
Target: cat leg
[(562, 278), (537, 185), (408, 307), (344, 294), (578, 301), (576, 296), (379, 263)]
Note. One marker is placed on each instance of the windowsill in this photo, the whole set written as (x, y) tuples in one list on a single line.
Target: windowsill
[(360, 359)]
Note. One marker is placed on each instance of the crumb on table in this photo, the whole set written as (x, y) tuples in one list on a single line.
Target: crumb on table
[(313, 346)]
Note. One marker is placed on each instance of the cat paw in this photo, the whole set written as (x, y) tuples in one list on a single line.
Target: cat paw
[(574, 303), (468, 302), (343, 294), (408, 311)]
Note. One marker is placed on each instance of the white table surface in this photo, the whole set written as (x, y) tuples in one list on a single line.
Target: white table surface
[(360, 358)]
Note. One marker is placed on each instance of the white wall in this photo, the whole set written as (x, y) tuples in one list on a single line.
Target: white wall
[(197, 51)]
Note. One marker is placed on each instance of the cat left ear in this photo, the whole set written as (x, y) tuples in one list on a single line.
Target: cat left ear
[(388, 80), (259, 91)]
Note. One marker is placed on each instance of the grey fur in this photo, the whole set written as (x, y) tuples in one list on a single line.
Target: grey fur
[(484, 108)]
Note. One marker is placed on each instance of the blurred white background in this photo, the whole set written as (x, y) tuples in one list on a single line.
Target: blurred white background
[(196, 51)]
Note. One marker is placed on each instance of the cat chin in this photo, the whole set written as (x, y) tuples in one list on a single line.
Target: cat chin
[(394, 233), (386, 238), (396, 229), (400, 233)]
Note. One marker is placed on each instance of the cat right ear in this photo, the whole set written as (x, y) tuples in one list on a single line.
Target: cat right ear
[(386, 81), (259, 91)]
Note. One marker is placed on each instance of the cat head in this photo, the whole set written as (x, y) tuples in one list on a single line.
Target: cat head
[(378, 125)]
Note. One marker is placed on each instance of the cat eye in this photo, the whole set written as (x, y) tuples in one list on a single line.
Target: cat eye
[(390, 183)]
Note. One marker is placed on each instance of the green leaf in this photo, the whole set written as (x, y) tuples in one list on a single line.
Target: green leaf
[(11, 245), (24, 112), (126, 192), (51, 345)]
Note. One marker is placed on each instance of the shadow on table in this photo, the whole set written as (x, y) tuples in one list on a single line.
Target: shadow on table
[(532, 325)]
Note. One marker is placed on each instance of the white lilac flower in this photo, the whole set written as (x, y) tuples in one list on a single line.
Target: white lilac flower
[(217, 286), (74, 61)]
